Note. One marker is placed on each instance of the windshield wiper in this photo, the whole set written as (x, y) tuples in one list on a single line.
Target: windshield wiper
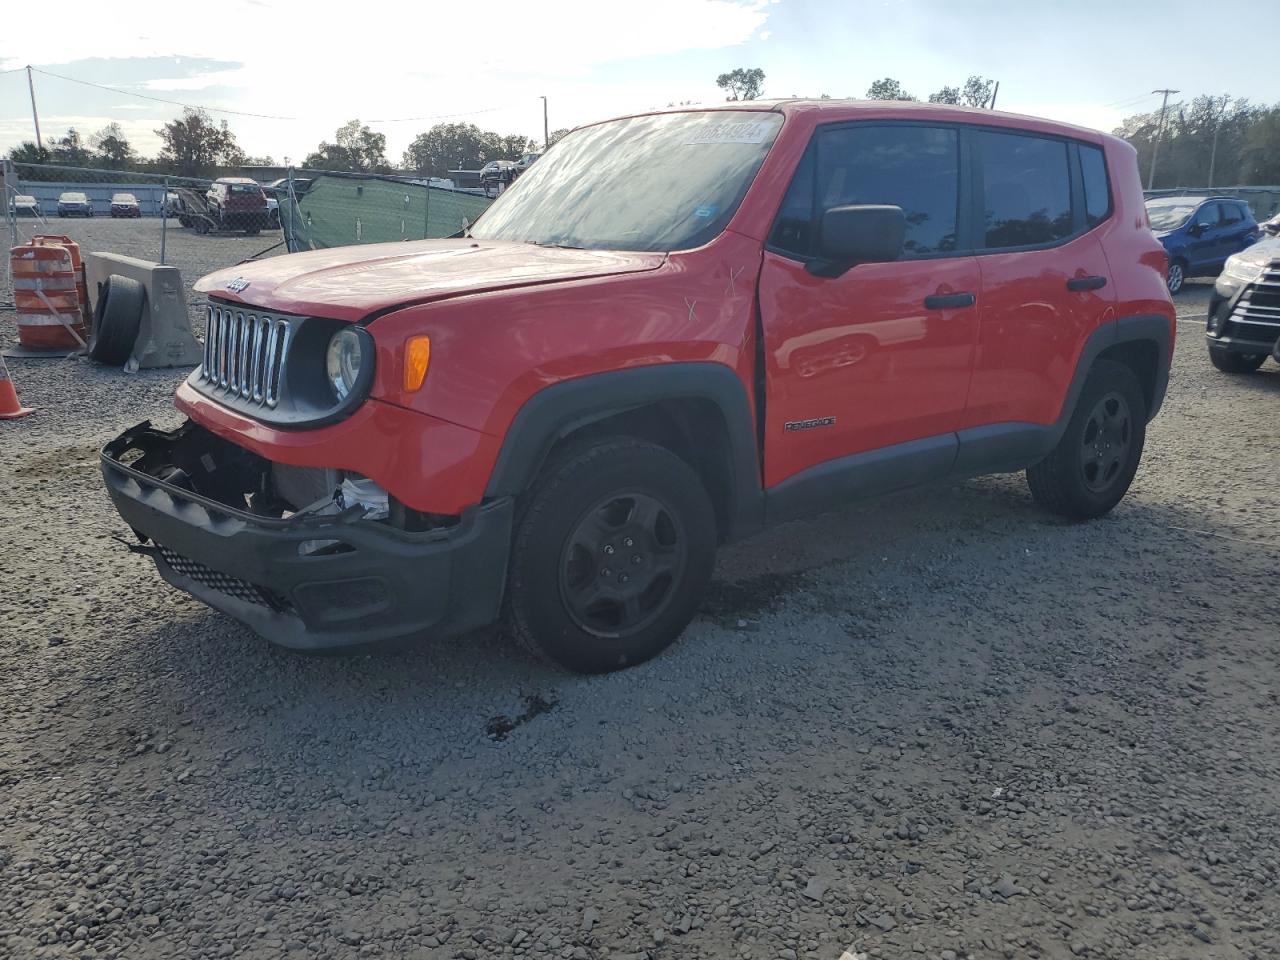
[(558, 246)]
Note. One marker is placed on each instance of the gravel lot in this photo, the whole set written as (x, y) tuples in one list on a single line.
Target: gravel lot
[(944, 725)]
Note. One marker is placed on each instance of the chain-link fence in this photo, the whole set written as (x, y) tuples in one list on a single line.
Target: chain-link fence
[(201, 225)]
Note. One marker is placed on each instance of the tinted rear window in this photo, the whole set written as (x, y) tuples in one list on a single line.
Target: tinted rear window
[(1026, 190)]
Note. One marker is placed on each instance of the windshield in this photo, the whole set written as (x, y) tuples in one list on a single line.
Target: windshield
[(124, 198), (665, 182), (73, 197), (1168, 216)]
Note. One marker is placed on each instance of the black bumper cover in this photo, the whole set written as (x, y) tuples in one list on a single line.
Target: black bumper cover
[(384, 585)]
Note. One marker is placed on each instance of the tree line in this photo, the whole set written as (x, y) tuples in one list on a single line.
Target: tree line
[(747, 83), (194, 145), (1238, 140), (1211, 140)]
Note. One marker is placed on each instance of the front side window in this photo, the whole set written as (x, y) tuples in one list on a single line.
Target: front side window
[(1026, 190), (663, 182), (916, 168), (1208, 214)]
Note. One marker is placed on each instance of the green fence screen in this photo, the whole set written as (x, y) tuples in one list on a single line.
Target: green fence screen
[(337, 210)]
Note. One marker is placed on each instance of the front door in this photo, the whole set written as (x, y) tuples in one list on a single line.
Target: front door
[(881, 355), (1205, 246)]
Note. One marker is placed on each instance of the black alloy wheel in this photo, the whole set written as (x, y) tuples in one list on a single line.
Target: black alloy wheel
[(1105, 442), (620, 564)]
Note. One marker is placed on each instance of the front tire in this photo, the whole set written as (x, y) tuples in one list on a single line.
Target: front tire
[(1090, 469), (1229, 362), (612, 553), (1175, 277)]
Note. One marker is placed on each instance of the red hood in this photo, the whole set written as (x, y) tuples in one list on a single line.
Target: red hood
[(348, 283)]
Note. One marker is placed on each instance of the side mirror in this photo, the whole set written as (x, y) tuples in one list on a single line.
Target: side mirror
[(1200, 229), (858, 233)]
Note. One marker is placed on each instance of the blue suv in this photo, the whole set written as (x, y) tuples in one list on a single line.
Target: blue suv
[(1199, 233)]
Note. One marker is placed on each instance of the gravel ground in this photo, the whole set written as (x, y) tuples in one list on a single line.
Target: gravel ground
[(944, 725)]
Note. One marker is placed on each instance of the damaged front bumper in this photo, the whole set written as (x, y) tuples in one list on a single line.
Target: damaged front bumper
[(306, 580)]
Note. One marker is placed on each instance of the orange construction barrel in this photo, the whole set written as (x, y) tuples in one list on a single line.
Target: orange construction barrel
[(49, 295)]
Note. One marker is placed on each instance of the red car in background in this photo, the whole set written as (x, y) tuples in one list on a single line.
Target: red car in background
[(235, 203)]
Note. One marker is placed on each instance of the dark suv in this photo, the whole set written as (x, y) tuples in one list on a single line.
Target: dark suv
[(1199, 233), (1244, 310)]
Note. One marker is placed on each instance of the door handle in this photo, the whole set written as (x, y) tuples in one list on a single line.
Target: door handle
[(949, 301), (1078, 284)]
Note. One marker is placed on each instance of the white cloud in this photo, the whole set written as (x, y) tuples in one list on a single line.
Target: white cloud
[(399, 34), (402, 58)]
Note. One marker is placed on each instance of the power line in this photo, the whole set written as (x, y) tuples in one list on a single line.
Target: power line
[(1128, 101), (175, 103), (244, 113), (437, 116)]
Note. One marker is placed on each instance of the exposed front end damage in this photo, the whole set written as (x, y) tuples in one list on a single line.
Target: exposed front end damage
[(307, 558)]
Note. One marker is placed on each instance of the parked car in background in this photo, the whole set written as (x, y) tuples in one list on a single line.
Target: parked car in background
[(23, 205), (1244, 309), (498, 174), (1271, 227), (1199, 233), (526, 161), (235, 203), (278, 191), (73, 204), (558, 418), (125, 205)]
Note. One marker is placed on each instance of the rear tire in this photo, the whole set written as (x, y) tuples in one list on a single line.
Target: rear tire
[(1175, 277), (613, 550), (1090, 469), (1230, 362)]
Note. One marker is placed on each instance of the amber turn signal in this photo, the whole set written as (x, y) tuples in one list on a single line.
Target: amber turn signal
[(417, 357)]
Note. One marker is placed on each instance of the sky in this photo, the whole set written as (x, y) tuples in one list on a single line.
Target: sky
[(404, 65)]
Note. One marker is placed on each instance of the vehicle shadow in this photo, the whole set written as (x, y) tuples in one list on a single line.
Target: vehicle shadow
[(213, 661)]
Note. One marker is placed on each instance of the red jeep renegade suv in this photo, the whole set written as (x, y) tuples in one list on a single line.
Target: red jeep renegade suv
[(673, 329)]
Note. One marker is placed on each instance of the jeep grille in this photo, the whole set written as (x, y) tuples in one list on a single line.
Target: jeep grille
[(244, 354)]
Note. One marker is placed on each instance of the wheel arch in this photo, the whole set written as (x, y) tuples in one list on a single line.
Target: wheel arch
[(700, 411), (1143, 342)]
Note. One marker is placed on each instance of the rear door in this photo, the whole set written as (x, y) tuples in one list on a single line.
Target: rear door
[(880, 355), (1046, 284)]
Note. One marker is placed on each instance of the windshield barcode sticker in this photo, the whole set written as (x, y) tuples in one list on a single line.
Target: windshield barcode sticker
[(734, 131)]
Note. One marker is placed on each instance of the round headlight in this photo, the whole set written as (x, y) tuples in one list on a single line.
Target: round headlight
[(342, 361)]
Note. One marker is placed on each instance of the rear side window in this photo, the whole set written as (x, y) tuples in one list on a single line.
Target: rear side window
[(913, 167), (1232, 214), (1026, 190), (1097, 191)]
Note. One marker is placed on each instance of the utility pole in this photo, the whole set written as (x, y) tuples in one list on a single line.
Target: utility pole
[(35, 117), (1217, 125), (1155, 147), (994, 94), (546, 135)]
